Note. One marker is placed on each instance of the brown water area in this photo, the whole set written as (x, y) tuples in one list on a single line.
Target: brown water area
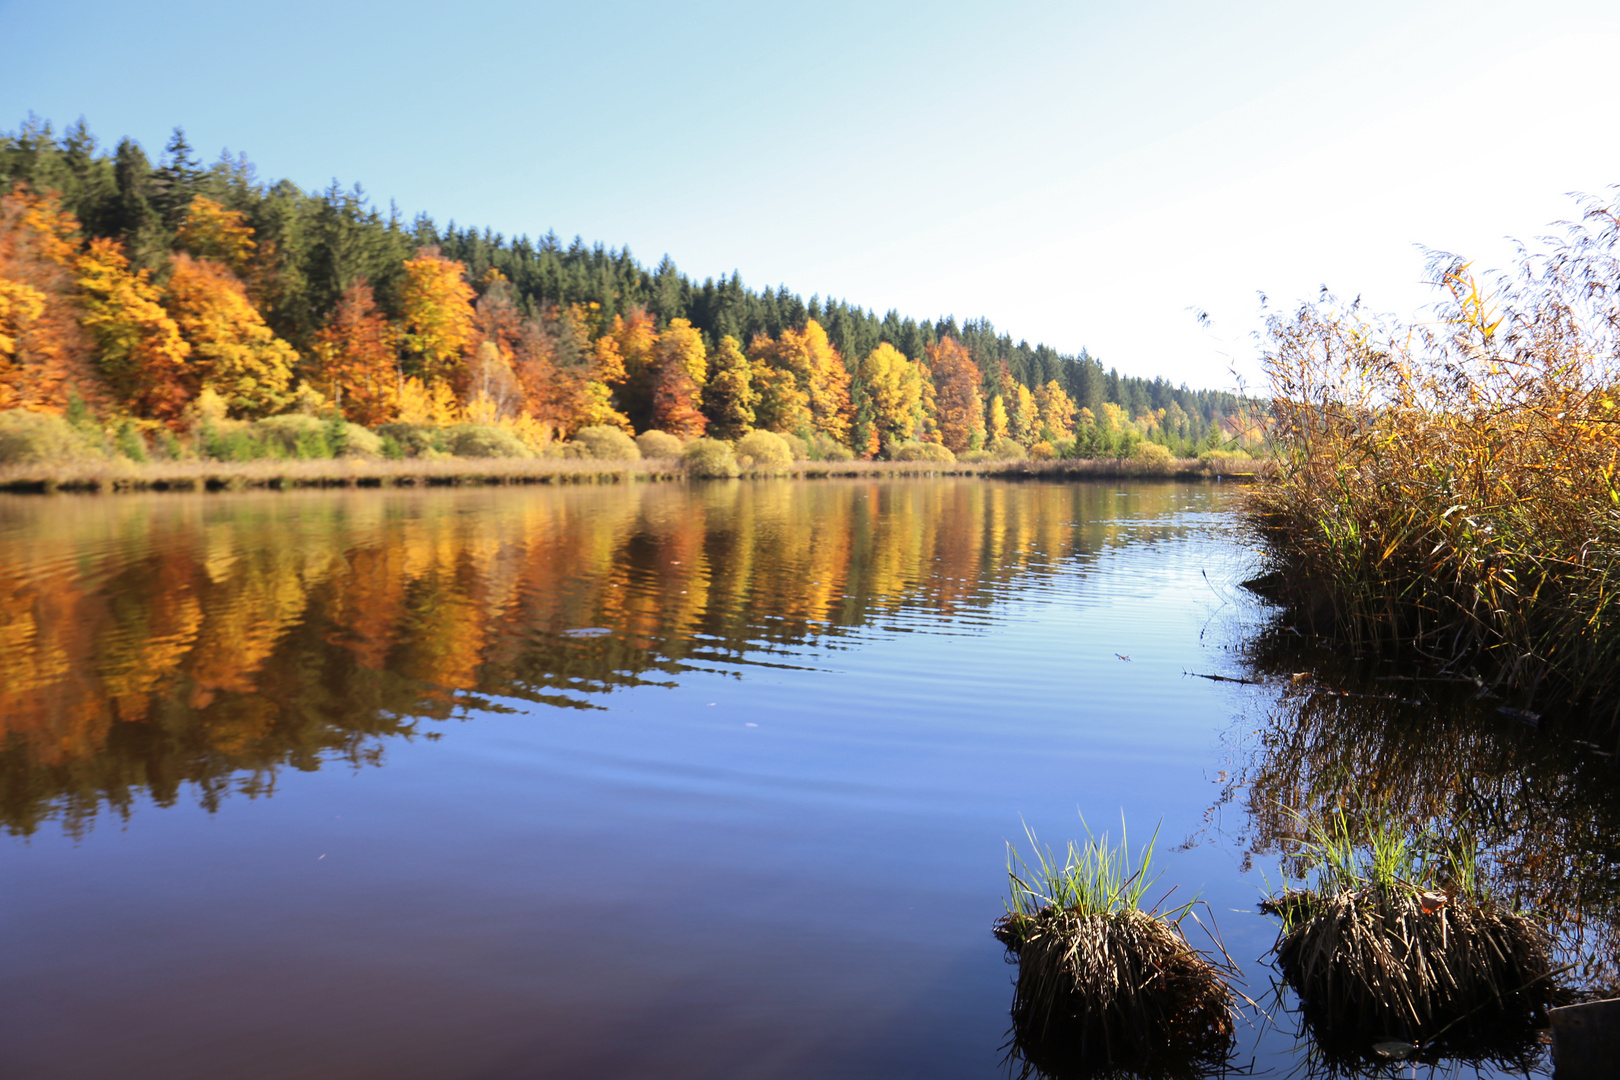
[(664, 780)]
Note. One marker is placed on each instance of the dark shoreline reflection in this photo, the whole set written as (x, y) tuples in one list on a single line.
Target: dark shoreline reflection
[(148, 643), (1438, 757)]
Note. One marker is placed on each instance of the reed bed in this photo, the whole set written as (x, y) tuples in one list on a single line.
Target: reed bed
[(1397, 951), (1105, 987), (1449, 489), (204, 475)]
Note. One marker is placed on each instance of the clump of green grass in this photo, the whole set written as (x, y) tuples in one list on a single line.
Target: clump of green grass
[(1396, 948), (1107, 986)]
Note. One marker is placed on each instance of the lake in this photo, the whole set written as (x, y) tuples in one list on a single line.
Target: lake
[(652, 780)]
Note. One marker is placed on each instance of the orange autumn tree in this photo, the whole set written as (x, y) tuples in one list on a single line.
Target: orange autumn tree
[(140, 354), (45, 355), (355, 359), (210, 231), (233, 352), (682, 366), (959, 406), (1056, 410), (563, 378), (436, 303)]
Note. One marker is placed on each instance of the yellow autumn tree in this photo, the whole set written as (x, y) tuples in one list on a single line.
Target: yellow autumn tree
[(233, 352), (433, 405), (1056, 410), (997, 420), (140, 353), (894, 386), (437, 305), (210, 231)]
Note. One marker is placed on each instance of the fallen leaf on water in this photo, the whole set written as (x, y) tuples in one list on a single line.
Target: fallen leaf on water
[(1394, 1049)]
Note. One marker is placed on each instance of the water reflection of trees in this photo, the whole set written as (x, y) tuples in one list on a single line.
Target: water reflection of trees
[(1543, 803), (151, 643)]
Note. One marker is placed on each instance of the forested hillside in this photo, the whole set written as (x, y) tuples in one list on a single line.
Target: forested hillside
[(150, 295)]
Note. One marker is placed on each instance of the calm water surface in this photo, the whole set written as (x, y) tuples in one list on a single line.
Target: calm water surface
[(650, 781)]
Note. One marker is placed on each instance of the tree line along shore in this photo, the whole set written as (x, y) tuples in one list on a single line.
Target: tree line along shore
[(176, 312)]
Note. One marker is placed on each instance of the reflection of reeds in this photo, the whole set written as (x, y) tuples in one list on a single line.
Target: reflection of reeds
[(1104, 987), (1451, 488), (1542, 812)]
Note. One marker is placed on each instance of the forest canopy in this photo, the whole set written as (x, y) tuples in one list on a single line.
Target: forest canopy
[(158, 296)]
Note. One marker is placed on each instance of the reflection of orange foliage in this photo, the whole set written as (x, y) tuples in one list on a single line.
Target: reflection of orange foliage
[(364, 600), (252, 599), (48, 700), (281, 628), (142, 647)]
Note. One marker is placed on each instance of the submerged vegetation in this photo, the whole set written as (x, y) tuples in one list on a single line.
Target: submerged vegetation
[(1450, 489), (1105, 986)]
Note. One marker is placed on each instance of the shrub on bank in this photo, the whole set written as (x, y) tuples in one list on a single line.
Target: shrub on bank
[(31, 438), (710, 459), (764, 451), (1043, 451), (603, 442), (413, 440), (1003, 448), (484, 441), (823, 447), (1217, 456), (658, 444), (1153, 459), (912, 450), (798, 447)]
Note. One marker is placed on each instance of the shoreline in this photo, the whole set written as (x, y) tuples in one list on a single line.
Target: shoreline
[(192, 476)]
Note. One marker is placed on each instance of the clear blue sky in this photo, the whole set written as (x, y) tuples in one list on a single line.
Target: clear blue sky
[(1081, 174)]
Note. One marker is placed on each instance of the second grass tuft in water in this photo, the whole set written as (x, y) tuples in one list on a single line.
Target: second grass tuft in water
[(1107, 986), (1396, 948)]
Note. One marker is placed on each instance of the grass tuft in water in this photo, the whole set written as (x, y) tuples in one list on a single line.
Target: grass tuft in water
[(1107, 987), (1396, 942)]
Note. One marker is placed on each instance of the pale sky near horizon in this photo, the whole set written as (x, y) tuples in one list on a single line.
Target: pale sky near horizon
[(1081, 174)]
